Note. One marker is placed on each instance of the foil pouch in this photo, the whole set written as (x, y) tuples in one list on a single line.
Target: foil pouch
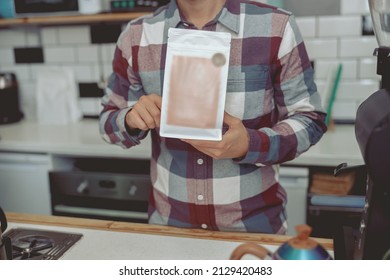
[(194, 91)]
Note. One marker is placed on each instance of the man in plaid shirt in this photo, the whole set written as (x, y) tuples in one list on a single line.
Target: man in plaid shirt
[(273, 114)]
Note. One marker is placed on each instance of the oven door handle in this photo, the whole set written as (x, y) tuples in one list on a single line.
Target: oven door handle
[(109, 213)]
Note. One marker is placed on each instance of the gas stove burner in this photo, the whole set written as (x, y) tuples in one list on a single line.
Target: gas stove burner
[(30, 246), (34, 244)]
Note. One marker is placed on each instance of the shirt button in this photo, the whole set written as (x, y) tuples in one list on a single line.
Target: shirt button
[(204, 226), (199, 161), (200, 197)]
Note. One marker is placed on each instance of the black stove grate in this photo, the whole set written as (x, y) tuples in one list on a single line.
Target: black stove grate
[(35, 244)]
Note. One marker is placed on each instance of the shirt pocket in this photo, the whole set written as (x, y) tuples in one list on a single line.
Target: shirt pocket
[(250, 79), (246, 95)]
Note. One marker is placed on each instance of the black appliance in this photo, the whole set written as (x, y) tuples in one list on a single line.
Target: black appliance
[(36, 244), (9, 99), (373, 135), (33, 244), (45, 7), (102, 189), (136, 5), (372, 130)]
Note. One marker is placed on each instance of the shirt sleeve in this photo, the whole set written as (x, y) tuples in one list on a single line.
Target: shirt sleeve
[(122, 92), (301, 116)]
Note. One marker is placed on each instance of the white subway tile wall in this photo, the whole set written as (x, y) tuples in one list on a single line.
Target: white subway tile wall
[(85, 72), (11, 37), (339, 26), (49, 36), (6, 56), (322, 47), (58, 54), (356, 90), (325, 67), (367, 68), (22, 72), (107, 69), (63, 46), (32, 38), (307, 26), (330, 40), (74, 35), (354, 7), (87, 53), (107, 51), (338, 39), (28, 99), (357, 47), (345, 110)]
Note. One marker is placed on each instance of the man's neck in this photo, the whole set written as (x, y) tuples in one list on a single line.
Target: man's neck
[(200, 12)]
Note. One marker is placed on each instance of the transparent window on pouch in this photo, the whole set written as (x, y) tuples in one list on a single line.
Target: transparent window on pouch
[(194, 91)]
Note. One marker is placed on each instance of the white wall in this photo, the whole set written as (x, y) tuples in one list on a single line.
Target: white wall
[(335, 39), (67, 46)]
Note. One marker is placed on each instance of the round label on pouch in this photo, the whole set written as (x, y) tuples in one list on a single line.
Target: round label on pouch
[(218, 59)]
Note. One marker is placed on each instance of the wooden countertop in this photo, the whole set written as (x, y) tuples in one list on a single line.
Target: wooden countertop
[(72, 19), (69, 222)]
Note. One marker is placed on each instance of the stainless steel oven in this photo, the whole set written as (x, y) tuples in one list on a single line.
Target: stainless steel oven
[(110, 189)]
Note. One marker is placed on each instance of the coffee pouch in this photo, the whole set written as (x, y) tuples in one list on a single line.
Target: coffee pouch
[(194, 90)]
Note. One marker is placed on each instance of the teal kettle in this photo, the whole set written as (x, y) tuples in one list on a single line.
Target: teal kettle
[(300, 247)]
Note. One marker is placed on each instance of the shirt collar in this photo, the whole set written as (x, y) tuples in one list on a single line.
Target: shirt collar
[(229, 17), (172, 14)]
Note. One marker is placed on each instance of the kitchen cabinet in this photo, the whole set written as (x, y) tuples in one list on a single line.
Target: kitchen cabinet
[(24, 184), (327, 213), (295, 181)]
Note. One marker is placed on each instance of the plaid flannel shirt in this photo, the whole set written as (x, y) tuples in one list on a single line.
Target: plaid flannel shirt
[(270, 88)]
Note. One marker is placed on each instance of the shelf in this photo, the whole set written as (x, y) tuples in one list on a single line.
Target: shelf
[(354, 201), (71, 19), (318, 208)]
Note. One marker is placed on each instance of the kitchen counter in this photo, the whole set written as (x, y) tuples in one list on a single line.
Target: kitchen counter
[(76, 139), (120, 240), (83, 139)]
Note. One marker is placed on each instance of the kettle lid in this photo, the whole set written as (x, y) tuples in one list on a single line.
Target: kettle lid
[(302, 240)]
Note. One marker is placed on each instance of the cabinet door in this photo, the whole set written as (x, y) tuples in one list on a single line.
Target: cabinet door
[(295, 180), (24, 183)]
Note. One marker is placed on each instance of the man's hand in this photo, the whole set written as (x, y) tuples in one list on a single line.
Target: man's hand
[(234, 143), (146, 113)]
